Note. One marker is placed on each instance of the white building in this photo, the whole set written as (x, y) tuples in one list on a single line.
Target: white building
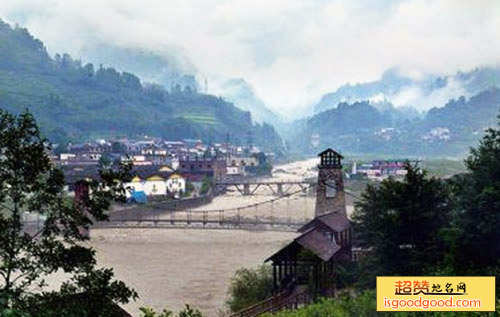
[(67, 156), (235, 171), (174, 185)]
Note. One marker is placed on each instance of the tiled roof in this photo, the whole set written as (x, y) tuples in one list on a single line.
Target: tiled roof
[(313, 240), (338, 222), (74, 173), (330, 150), (317, 242)]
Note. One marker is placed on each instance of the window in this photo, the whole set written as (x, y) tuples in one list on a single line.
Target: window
[(330, 236), (331, 189)]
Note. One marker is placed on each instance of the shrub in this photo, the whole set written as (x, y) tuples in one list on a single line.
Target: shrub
[(250, 286), (187, 311)]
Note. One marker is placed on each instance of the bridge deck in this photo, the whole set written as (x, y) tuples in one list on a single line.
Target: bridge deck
[(253, 182), (202, 224)]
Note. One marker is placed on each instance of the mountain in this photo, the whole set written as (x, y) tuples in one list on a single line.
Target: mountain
[(75, 102), (466, 117), (390, 82), (242, 94), (422, 94), (167, 70), (366, 128)]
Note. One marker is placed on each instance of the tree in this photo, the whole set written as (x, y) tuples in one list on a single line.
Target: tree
[(250, 286), (206, 185), (31, 185), (402, 222), (264, 166), (118, 147), (478, 212), (105, 161), (189, 189), (61, 148), (187, 311)]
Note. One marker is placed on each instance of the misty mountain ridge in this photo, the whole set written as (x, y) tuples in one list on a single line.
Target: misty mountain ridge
[(243, 95), (364, 127), (423, 94), (165, 69), (75, 102), (169, 70)]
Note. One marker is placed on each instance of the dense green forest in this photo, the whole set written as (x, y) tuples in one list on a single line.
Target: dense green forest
[(75, 102), (448, 227)]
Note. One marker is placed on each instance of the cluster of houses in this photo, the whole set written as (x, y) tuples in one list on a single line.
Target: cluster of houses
[(160, 167), (147, 181), (431, 135), (381, 169), (437, 134)]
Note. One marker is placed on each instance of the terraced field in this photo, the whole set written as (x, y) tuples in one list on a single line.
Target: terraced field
[(201, 119)]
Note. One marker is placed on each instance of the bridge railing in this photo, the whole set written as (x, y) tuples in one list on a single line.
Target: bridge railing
[(283, 300)]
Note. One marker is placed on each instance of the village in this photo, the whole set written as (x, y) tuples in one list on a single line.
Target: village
[(249, 159), (228, 191), (312, 220), (162, 168), (178, 169), (234, 206)]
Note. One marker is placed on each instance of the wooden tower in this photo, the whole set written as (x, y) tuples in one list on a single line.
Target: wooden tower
[(330, 196)]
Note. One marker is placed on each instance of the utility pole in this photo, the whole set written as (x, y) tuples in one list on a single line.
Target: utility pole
[(228, 140), (249, 141)]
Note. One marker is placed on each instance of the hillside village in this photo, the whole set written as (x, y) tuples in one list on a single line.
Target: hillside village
[(240, 159), (162, 167)]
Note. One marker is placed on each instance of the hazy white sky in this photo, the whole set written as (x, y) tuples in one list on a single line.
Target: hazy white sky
[(290, 51)]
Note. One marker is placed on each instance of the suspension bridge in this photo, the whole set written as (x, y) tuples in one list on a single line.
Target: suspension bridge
[(284, 211)]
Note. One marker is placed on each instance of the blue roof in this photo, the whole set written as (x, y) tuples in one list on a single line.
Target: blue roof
[(138, 197)]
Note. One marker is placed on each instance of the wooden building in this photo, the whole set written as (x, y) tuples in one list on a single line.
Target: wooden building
[(310, 259), (196, 168)]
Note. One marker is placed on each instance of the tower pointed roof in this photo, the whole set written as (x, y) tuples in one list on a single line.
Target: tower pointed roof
[(330, 150)]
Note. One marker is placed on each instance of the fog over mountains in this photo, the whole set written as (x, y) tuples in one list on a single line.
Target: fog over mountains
[(399, 114), (423, 94), (363, 128), (170, 70), (164, 69), (73, 101), (243, 95), (434, 115), (410, 97)]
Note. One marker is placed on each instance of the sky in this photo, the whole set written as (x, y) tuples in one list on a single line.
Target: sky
[(292, 52)]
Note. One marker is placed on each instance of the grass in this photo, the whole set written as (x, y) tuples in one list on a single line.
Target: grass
[(444, 167)]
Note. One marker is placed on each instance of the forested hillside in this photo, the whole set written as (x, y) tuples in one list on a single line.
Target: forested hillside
[(365, 128), (75, 102)]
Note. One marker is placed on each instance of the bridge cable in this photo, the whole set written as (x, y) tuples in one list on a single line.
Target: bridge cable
[(341, 190), (252, 205)]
